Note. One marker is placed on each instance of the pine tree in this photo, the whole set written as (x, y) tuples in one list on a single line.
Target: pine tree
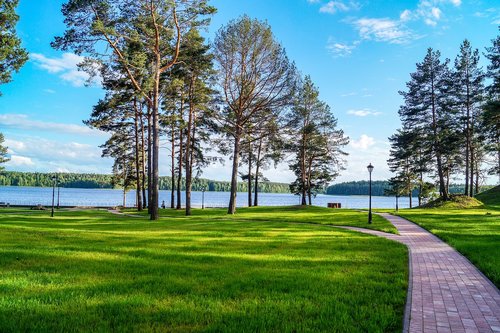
[(3, 152), (255, 75), (426, 106), (395, 188), (491, 114), (316, 142), (118, 148), (401, 162), (12, 55), (468, 80), (105, 30)]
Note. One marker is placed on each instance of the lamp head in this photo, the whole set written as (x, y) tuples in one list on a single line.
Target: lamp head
[(370, 168)]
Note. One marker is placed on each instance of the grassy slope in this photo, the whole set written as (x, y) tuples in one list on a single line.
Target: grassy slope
[(491, 197), (91, 271), (473, 232)]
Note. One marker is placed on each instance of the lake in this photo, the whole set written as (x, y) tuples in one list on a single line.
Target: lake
[(17, 195)]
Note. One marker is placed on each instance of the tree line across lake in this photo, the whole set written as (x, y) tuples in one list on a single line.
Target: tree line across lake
[(99, 181)]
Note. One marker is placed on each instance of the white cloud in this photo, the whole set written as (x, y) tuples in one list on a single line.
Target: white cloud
[(49, 91), (340, 49), (364, 112), (383, 30), (43, 155), (77, 78), (405, 15), (14, 145), (363, 143), (358, 159), (436, 12), (332, 7), (429, 11), (22, 121), (17, 161), (66, 66)]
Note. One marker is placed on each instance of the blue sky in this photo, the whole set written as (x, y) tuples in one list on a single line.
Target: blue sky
[(359, 54)]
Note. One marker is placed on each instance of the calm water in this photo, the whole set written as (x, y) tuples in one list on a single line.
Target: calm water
[(109, 198)]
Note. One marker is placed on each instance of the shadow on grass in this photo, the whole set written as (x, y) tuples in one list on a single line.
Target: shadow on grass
[(82, 275)]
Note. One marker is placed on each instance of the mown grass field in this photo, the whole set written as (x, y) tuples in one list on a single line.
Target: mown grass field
[(93, 271), (473, 232), (297, 214)]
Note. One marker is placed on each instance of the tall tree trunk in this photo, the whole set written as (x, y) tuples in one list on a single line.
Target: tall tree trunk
[(420, 185), (124, 197), (156, 148), (467, 150), (309, 175), (257, 170), (498, 155), (137, 163), (181, 156), (303, 170), (191, 161), (124, 186), (188, 146), (172, 164), (150, 159), (249, 175), (476, 191), (448, 179), (410, 195), (472, 157), (143, 164), (437, 147), (234, 176)]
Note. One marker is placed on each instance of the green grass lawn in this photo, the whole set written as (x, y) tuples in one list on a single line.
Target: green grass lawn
[(297, 214), (254, 272), (473, 232)]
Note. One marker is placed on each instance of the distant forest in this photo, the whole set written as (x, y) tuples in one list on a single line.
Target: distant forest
[(379, 187), (84, 180)]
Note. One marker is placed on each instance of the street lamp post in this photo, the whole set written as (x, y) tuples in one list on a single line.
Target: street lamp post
[(58, 193), (370, 170), (54, 179), (203, 198)]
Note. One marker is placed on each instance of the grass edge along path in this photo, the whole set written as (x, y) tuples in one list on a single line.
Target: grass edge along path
[(475, 233), (96, 271), (448, 292)]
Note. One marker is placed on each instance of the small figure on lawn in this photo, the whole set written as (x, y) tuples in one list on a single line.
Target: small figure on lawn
[(163, 204)]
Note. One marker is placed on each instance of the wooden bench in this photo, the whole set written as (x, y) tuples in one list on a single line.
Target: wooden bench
[(334, 205)]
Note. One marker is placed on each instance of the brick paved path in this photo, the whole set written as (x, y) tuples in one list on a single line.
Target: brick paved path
[(446, 292)]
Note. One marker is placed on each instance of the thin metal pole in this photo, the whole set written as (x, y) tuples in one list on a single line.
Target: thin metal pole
[(53, 194), (370, 209), (203, 199), (58, 192)]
